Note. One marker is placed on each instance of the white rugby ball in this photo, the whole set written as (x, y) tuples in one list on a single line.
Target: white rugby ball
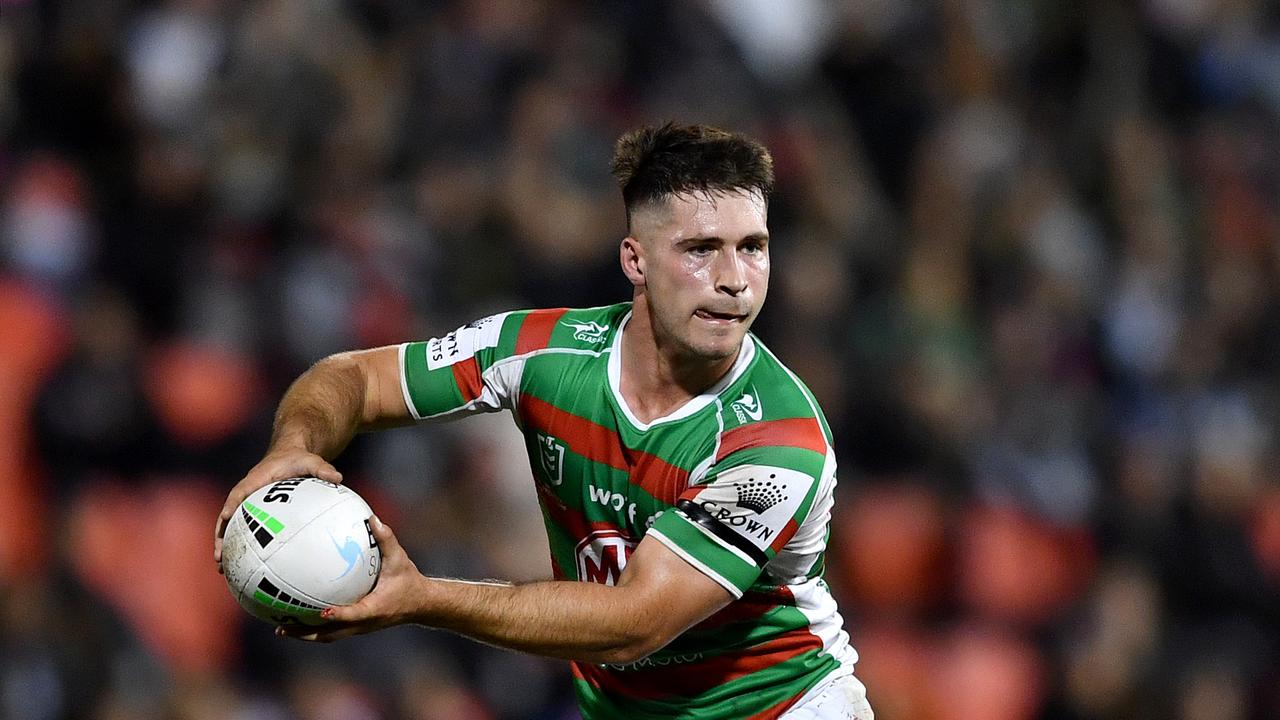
[(298, 546)]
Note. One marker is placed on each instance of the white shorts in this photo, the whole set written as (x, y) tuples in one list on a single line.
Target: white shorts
[(837, 698)]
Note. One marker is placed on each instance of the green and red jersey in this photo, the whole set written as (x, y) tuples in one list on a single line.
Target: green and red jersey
[(738, 482)]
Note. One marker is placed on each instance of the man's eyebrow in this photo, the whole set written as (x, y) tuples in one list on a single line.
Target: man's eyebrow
[(692, 240)]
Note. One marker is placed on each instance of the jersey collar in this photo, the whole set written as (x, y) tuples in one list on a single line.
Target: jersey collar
[(745, 355)]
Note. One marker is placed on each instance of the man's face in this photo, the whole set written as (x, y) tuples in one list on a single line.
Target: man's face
[(705, 264)]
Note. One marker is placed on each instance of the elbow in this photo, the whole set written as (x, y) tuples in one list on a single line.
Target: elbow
[(634, 648)]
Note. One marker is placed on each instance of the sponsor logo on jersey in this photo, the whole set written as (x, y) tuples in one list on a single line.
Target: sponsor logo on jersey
[(653, 662), (759, 495), (602, 555), (591, 332), (551, 457), (743, 524), (483, 322), (748, 407), (464, 342), (755, 501)]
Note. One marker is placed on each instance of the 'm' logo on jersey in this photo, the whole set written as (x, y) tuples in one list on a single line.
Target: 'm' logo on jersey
[(592, 332), (551, 456), (603, 555), (747, 406), (759, 495)]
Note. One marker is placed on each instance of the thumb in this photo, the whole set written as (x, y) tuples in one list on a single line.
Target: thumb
[(386, 539)]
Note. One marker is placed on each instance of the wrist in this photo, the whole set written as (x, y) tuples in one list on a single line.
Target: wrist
[(424, 602), (287, 443)]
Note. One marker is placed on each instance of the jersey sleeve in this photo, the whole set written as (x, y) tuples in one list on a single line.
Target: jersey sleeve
[(752, 503), (462, 372)]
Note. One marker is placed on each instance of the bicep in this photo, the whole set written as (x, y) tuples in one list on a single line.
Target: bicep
[(666, 594), (384, 403)]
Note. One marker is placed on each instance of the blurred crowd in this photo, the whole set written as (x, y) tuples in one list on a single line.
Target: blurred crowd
[(1026, 253)]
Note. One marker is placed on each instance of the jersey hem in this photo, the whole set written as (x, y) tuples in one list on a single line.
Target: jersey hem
[(404, 382)]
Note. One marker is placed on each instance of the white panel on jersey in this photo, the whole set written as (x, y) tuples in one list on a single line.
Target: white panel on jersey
[(813, 599), (755, 501), (464, 342)]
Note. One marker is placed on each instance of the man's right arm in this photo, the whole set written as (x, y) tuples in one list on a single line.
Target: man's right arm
[(320, 413)]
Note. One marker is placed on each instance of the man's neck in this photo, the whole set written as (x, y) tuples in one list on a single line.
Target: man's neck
[(655, 379)]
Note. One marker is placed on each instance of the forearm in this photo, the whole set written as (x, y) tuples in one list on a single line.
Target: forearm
[(322, 410), (571, 620)]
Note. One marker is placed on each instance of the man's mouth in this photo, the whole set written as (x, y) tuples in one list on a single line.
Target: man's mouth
[(719, 317)]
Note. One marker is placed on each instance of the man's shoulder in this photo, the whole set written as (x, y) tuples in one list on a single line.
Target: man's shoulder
[(568, 329), (770, 415), (770, 391)]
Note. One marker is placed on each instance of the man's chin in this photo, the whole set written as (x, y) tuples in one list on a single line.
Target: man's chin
[(715, 349)]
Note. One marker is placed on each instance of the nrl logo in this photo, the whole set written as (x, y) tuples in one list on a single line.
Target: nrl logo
[(747, 406), (592, 332), (552, 458)]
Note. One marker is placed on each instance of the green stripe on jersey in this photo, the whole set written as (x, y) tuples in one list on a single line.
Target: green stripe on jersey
[(705, 550), (432, 391)]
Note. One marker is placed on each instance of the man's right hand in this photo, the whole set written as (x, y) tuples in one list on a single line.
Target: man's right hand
[(277, 465)]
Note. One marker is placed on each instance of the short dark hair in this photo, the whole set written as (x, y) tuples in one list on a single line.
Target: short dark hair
[(654, 163)]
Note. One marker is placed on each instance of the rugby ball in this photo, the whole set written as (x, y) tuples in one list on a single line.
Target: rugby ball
[(298, 546)]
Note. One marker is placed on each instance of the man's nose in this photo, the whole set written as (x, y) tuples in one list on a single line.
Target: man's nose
[(731, 275)]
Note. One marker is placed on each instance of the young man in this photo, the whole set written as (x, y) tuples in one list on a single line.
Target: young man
[(685, 474)]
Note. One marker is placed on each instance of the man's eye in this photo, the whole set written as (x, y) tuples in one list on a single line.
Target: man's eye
[(701, 249)]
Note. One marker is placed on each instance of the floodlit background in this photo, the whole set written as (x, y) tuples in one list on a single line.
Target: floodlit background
[(1027, 254)]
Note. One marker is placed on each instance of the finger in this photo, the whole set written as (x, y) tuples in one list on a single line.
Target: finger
[(220, 525), (318, 633), (234, 498), (326, 472), (356, 612), (219, 531), (313, 466)]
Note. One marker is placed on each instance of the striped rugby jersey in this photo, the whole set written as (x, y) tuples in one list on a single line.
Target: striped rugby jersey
[(738, 482)]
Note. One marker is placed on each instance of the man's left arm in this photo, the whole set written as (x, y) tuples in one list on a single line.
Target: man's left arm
[(658, 597)]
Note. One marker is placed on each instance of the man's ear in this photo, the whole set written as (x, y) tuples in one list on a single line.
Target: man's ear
[(631, 255)]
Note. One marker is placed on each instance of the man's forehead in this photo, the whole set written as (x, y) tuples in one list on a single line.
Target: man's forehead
[(694, 210)]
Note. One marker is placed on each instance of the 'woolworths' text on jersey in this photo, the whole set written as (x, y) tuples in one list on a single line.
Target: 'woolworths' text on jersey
[(738, 482)]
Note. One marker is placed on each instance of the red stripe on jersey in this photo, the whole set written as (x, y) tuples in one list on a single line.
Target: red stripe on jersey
[(600, 444), (576, 667), (776, 711), (803, 432), (572, 521), (535, 331), (466, 373), (695, 678), (788, 532)]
